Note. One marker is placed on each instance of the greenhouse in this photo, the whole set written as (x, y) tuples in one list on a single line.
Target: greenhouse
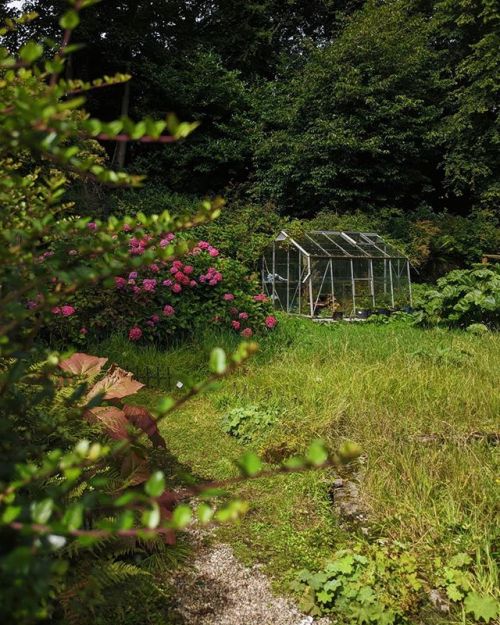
[(336, 274)]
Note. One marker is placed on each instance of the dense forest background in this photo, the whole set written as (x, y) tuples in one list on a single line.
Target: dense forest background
[(349, 112)]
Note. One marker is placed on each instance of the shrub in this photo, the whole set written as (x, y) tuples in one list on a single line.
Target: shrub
[(163, 299), (464, 297)]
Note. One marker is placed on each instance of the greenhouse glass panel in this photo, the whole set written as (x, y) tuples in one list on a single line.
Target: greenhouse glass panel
[(326, 274)]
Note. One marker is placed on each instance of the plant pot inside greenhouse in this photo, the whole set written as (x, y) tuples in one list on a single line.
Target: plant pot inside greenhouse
[(363, 313)]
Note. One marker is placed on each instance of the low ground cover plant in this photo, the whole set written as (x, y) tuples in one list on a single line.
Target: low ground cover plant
[(366, 584), (248, 422)]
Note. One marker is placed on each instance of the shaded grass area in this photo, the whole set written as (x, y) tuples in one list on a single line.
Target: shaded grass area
[(410, 397)]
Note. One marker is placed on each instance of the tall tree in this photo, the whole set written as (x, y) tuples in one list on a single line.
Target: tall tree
[(468, 35), (353, 129)]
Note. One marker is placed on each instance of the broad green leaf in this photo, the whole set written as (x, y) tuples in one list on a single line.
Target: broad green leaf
[(349, 451), (204, 513), (481, 606)]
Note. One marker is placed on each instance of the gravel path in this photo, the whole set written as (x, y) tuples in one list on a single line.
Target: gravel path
[(219, 590)]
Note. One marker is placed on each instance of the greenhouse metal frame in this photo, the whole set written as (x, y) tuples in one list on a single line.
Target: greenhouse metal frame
[(326, 273)]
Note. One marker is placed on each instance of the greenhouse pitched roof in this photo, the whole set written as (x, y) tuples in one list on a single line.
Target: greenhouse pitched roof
[(332, 244)]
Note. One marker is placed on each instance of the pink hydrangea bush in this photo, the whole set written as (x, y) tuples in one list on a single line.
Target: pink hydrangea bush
[(167, 298)]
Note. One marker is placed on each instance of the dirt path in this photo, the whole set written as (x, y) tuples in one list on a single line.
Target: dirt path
[(219, 590)]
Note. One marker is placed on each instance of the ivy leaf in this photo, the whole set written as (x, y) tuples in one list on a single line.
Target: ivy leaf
[(155, 486), (324, 597), (482, 606), (459, 560)]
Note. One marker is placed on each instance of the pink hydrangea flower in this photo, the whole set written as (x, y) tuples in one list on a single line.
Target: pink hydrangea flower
[(136, 290), (228, 297), (188, 270), (167, 239), (168, 310), (213, 252), (261, 297), (56, 310), (32, 304), (167, 282), (135, 333), (132, 275), (155, 318), (236, 325), (271, 322), (154, 268), (92, 226), (150, 323), (247, 333), (149, 285), (67, 311), (193, 283), (243, 315), (204, 245), (84, 331), (127, 228), (120, 283), (176, 288)]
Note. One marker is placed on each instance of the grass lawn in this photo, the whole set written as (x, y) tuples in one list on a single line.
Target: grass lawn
[(417, 401)]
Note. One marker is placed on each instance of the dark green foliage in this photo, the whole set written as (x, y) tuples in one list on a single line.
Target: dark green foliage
[(355, 107), (467, 34), (464, 297), (351, 129)]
